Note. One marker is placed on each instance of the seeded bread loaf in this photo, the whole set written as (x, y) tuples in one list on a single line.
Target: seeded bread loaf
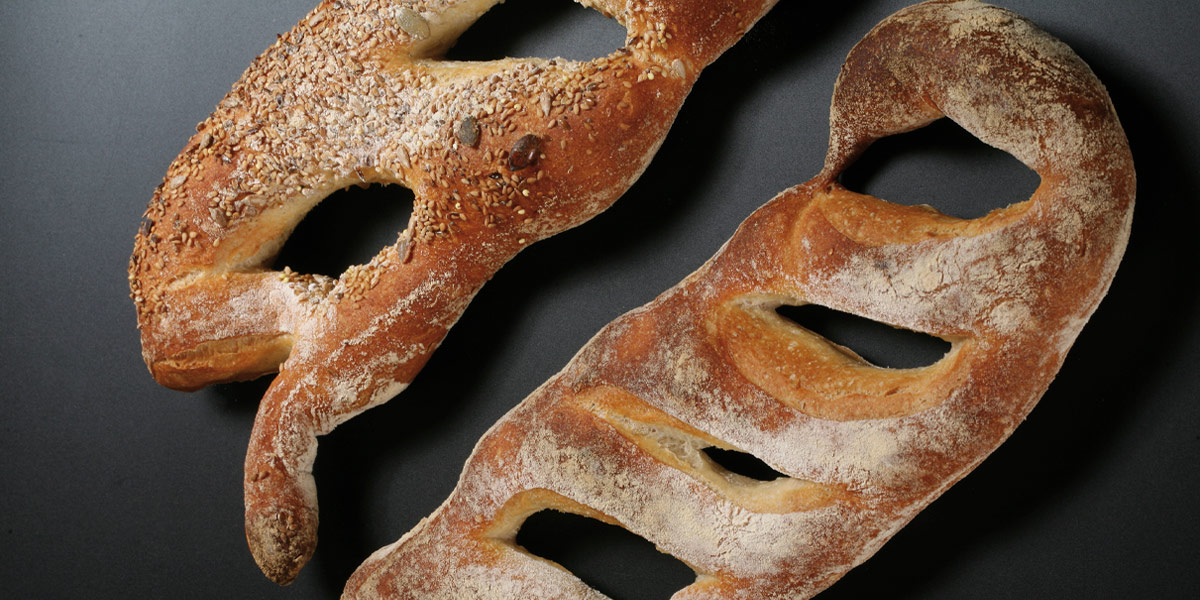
[(499, 155)]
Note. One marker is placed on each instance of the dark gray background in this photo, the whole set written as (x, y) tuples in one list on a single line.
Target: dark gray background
[(113, 487)]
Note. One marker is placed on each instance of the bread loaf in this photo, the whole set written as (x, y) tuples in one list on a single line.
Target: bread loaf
[(620, 433), (498, 154)]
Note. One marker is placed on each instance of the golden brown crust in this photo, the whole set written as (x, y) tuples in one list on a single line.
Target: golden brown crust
[(499, 155), (617, 434)]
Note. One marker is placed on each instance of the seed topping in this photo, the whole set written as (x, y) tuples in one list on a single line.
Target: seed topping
[(468, 131), (413, 23), (524, 152)]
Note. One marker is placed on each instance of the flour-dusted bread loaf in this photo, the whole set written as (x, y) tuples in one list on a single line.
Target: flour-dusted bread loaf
[(621, 433), (499, 155)]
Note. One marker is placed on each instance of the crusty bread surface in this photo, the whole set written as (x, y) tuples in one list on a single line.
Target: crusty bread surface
[(620, 434), (498, 154)]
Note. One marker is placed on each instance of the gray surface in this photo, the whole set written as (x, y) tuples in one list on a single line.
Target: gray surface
[(111, 486)]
